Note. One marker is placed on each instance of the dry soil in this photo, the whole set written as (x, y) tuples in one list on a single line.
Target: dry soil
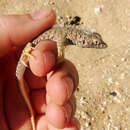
[(103, 94)]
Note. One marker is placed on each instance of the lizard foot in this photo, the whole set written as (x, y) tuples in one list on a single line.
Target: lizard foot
[(26, 55)]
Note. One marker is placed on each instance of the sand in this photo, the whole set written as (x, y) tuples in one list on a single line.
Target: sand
[(103, 95)]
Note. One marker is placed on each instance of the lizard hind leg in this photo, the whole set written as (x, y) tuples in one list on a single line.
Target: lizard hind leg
[(23, 61), (27, 54)]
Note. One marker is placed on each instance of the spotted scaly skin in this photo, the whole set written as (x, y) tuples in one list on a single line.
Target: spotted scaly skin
[(63, 37)]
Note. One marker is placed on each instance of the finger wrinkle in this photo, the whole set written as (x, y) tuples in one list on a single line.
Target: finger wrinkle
[(69, 86)]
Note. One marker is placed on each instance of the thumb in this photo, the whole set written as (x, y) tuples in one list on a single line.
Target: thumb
[(16, 30)]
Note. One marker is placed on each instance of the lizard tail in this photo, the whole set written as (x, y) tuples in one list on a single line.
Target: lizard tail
[(33, 123)]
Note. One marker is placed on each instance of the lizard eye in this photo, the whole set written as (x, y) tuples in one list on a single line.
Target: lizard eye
[(83, 42), (95, 41)]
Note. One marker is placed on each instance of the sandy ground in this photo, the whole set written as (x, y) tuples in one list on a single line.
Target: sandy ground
[(103, 94)]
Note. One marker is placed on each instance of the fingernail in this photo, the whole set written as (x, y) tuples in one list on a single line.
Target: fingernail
[(41, 14), (69, 85)]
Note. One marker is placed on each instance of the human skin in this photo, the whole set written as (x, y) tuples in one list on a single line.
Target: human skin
[(49, 87)]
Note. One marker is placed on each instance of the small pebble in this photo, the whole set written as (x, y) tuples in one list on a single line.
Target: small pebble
[(98, 10), (117, 99), (92, 118), (104, 102), (123, 59), (82, 100), (115, 65), (123, 75), (83, 115), (78, 89), (113, 93), (52, 2), (110, 80), (117, 83), (87, 124)]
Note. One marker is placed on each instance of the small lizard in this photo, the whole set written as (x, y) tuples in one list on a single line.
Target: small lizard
[(62, 36)]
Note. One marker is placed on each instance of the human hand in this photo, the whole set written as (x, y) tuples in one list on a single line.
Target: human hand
[(49, 88)]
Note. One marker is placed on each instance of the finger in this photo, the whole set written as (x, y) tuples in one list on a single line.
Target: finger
[(38, 99), (17, 30), (17, 115), (33, 81), (45, 55), (70, 126), (61, 83), (63, 114), (42, 124)]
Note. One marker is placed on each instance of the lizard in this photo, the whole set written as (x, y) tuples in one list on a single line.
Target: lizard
[(63, 37)]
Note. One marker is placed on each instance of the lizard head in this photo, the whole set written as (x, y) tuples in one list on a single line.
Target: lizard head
[(97, 41), (94, 41)]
